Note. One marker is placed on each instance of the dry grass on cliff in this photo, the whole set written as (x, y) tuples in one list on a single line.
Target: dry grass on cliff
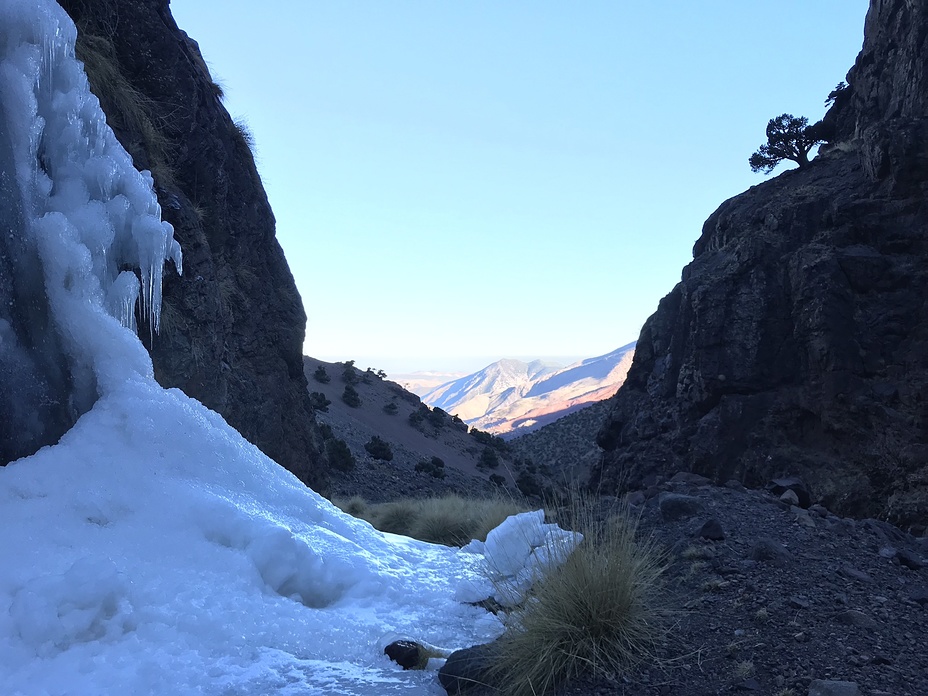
[(598, 613), (126, 107)]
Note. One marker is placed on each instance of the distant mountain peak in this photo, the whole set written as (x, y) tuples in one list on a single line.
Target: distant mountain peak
[(511, 394)]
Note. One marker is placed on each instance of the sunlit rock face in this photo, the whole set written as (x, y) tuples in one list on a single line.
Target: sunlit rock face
[(797, 339), (233, 324)]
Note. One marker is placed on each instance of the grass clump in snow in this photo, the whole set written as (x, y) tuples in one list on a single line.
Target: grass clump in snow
[(597, 613), (450, 520)]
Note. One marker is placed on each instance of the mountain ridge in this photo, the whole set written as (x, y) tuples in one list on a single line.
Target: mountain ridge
[(511, 397)]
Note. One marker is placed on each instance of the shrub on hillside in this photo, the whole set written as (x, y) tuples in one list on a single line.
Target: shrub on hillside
[(379, 449), (497, 480), (339, 455), (351, 397), (488, 459), (490, 440), (349, 373), (321, 376), (415, 419), (391, 409), (434, 467), (528, 485), (437, 418), (319, 402)]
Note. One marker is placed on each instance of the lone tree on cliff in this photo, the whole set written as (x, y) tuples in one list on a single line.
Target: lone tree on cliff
[(788, 138)]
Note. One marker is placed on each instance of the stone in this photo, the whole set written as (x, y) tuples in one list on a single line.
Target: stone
[(712, 530), (821, 687), (406, 653), (675, 506), (852, 617), (770, 551), (851, 572), (910, 560), (690, 478), (803, 517), (791, 490), (920, 596), (887, 552), (467, 668)]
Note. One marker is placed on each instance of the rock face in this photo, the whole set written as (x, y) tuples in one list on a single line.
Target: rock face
[(797, 339), (233, 325)]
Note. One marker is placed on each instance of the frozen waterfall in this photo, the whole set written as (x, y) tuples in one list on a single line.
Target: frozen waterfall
[(76, 214)]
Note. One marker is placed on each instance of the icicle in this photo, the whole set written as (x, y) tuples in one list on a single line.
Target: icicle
[(122, 298), (92, 213)]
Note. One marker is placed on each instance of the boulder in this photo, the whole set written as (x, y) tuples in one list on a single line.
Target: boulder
[(467, 668)]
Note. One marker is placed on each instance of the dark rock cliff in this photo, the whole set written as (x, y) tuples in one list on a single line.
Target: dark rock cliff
[(797, 339), (233, 325)]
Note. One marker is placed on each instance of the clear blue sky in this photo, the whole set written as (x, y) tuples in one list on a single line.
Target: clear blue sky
[(457, 182)]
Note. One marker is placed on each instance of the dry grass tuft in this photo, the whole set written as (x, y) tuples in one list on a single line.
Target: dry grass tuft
[(449, 520), (396, 518), (355, 506), (597, 613)]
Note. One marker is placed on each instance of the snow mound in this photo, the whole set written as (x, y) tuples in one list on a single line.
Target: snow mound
[(517, 553), (88, 602)]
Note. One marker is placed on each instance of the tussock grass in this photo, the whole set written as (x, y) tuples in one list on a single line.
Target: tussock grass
[(450, 520), (355, 506), (396, 518), (597, 613)]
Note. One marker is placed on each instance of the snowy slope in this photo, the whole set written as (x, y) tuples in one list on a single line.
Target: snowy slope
[(510, 396), (153, 550)]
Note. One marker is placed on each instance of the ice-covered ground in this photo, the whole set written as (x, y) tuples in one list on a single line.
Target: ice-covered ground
[(153, 550)]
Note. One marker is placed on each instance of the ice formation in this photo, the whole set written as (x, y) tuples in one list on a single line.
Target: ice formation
[(153, 550), (88, 212)]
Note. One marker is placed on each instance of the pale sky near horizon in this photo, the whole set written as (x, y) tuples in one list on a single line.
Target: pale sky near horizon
[(455, 183)]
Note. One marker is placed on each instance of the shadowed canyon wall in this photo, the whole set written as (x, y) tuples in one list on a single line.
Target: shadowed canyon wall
[(797, 339)]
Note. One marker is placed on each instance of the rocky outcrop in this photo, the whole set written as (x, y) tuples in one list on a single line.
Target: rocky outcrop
[(797, 339), (233, 325)]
